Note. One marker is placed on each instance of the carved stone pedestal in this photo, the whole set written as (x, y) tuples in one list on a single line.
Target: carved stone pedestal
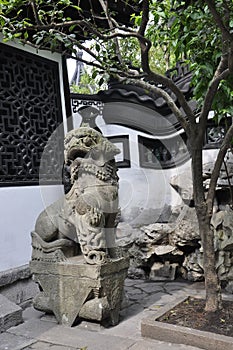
[(74, 290)]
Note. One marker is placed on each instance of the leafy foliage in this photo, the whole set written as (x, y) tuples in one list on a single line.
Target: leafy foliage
[(187, 31), (35, 22), (90, 84), (197, 32), (177, 30)]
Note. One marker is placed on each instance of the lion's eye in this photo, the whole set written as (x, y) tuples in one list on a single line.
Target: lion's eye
[(95, 154)]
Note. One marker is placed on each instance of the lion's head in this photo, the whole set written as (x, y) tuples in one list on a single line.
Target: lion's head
[(86, 142)]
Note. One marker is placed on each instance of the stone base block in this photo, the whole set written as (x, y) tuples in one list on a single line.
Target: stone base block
[(10, 314), (74, 290)]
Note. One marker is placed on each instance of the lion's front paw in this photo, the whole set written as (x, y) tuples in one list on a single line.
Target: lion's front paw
[(95, 217)]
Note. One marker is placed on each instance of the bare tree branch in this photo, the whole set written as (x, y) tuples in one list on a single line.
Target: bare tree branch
[(222, 70), (110, 23), (35, 13), (227, 36), (122, 76), (218, 19), (212, 89), (172, 86), (144, 45), (155, 91), (217, 166), (145, 17)]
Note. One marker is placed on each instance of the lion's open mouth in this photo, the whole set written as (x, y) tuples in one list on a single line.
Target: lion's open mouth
[(76, 153)]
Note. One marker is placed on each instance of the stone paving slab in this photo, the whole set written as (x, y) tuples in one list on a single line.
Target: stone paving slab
[(12, 342), (48, 346), (41, 332), (32, 328), (127, 328), (31, 313), (74, 337)]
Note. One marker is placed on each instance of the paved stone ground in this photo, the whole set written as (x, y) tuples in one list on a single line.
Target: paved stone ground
[(41, 332)]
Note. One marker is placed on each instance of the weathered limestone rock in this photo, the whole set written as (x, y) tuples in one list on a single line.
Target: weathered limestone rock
[(163, 272), (75, 260), (186, 232), (229, 287), (160, 242), (126, 235), (222, 224), (167, 249), (178, 242), (157, 233), (162, 250), (137, 273), (182, 183), (224, 176), (192, 267)]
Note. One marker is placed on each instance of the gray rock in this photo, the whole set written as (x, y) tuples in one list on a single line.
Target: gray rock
[(163, 272), (217, 219), (229, 287), (186, 231), (136, 273), (223, 175), (182, 183), (157, 232), (10, 314), (164, 249), (13, 275), (126, 235)]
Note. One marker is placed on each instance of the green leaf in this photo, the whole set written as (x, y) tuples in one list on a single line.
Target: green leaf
[(101, 81), (94, 74), (161, 14), (71, 28), (18, 35), (25, 35), (77, 8)]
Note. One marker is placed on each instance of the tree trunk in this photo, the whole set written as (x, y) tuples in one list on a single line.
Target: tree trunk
[(212, 286)]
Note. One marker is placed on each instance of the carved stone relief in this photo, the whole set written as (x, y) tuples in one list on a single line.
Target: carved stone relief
[(77, 232)]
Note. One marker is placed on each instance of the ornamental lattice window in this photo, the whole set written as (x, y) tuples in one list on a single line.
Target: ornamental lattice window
[(30, 112)]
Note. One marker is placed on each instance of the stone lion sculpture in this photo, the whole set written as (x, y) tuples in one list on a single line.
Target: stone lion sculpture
[(86, 217)]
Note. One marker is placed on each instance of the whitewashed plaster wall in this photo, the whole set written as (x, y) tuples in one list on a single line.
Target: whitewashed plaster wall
[(143, 192), (19, 208)]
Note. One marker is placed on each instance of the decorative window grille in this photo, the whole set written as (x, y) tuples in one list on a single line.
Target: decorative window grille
[(30, 112), (163, 154)]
